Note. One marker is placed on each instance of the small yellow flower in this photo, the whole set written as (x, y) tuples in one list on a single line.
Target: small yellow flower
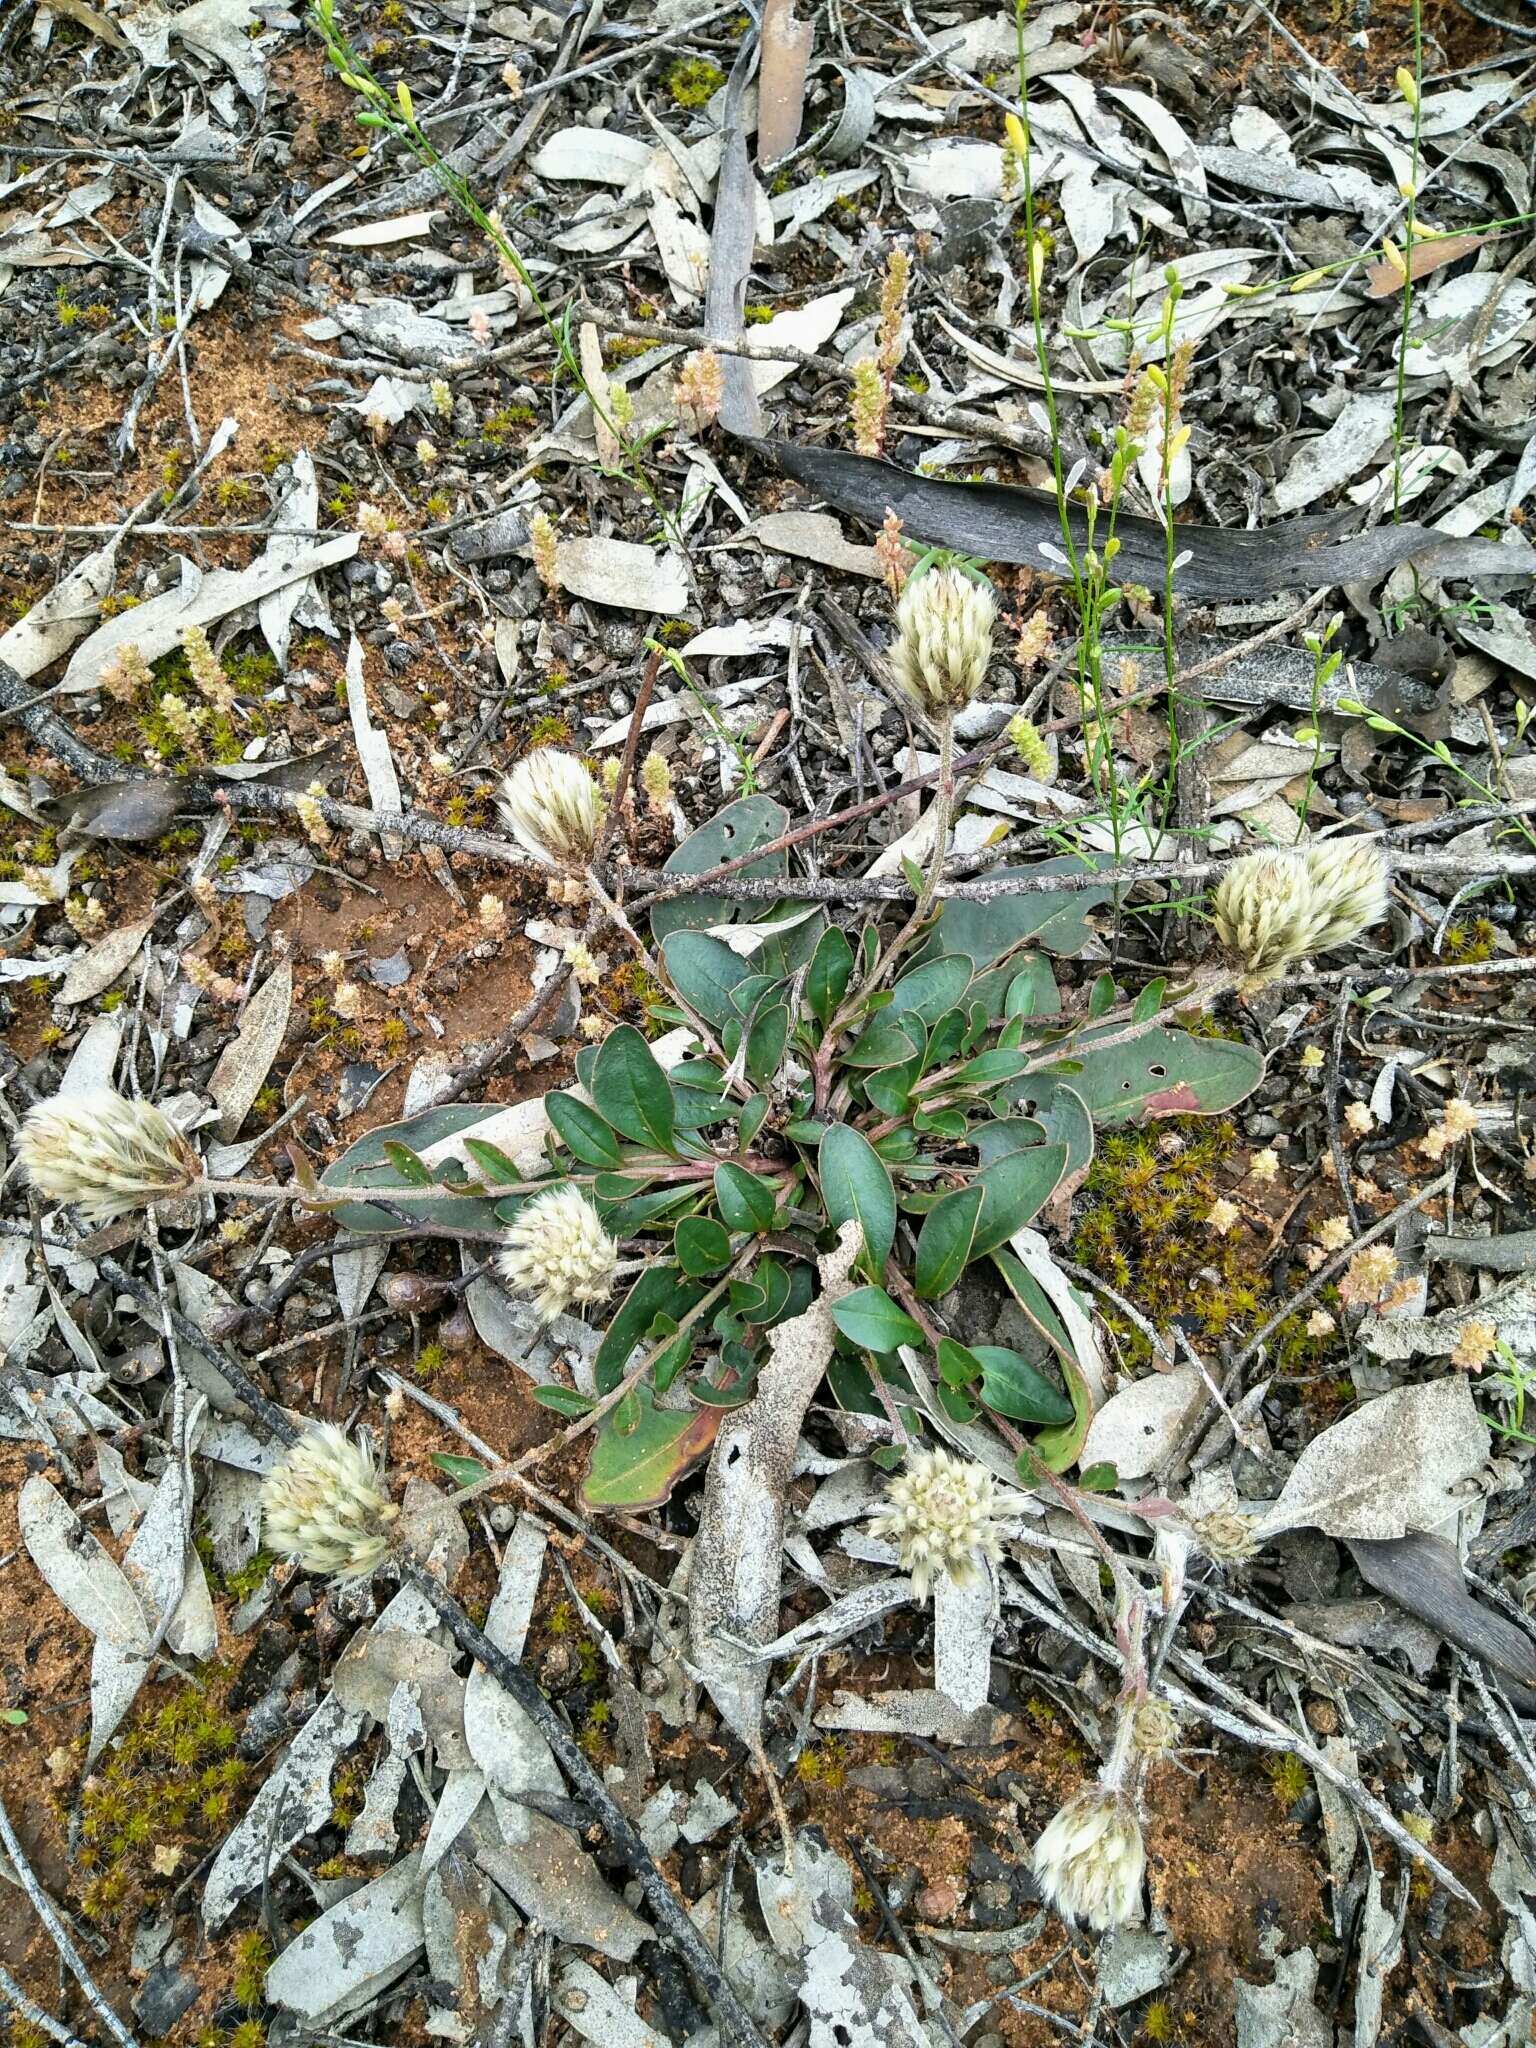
[(1223, 1215), (1368, 1276), (1312, 1058), (1334, 1233), (1358, 1119), (1476, 1342), (1264, 1166)]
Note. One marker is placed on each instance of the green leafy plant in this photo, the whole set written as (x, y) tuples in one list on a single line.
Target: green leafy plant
[(934, 1094)]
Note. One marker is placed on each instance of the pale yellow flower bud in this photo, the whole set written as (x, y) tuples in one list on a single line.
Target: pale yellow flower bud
[(942, 1512), (552, 808), (1090, 1861)]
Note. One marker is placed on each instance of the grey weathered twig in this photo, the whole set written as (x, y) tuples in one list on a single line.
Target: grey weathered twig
[(49, 1914)]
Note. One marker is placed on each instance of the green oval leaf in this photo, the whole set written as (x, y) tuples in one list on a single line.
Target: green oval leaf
[(581, 1130), (661, 1290), (944, 1242), (704, 971), (631, 1091), (928, 991), (702, 1246), (856, 1186), (747, 1202), (638, 1467), (869, 1318), (827, 978), (1011, 1386)]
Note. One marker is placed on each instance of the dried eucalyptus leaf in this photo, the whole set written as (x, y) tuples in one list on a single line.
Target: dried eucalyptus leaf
[(1398, 1463)]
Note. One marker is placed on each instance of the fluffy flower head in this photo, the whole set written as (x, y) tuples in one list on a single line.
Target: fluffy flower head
[(1265, 914), (557, 1250), (942, 1512), (943, 645), (1090, 1861), (326, 1506), (1349, 888), (553, 808), (106, 1155), (1272, 909)]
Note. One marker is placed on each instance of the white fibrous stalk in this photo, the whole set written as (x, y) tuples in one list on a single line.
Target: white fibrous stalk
[(557, 1251), (105, 1155), (553, 808), (325, 1506)]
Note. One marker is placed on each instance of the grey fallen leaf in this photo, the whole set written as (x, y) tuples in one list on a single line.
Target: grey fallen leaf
[(1394, 1465), (130, 811), (53, 625), (294, 1801), (461, 1794), (622, 573), (925, 1714), (1423, 1574), (353, 1952), (1339, 454), (595, 156), (161, 1563), (853, 1995), (736, 1564), (300, 599), (591, 2008), (245, 1062), (80, 1573), (372, 745), (1381, 1949), (469, 1927), (964, 1621), (156, 626), (1138, 1429), (101, 964), (1133, 1962), (1282, 2014), (814, 537)]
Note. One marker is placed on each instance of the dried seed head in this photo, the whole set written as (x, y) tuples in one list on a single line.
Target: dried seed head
[(891, 553), (1225, 1535), (326, 1506), (127, 675), (557, 1250), (1154, 1731), (943, 1513), (1349, 889), (943, 646), (1223, 1216), (867, 407), (1476, 1342), (552, 808), (1090, 1861), (699, 387), (104, 1154), (546, 550)]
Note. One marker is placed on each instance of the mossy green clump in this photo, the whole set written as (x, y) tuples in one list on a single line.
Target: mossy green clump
[(1157, 2022), (1143, 1227), (253, 1959), (694, 81), (549, 730), (155, 1804), (824, 1764), (1467, 944), (1288, 1779)]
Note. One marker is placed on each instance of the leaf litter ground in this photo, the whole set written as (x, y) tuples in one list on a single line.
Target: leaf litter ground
[(1256, 1871)]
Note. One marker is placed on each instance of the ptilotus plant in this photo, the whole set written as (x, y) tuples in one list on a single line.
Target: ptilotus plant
[(933, 1089)]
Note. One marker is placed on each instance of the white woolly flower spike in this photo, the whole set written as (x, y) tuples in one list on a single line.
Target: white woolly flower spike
[(943, 645), (1090, 1861), (942, 1512), (325, 1505), (557, 1250), (1265, 914), (106, 1155), (1272, 909), (1349, 888), (553, 808)]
